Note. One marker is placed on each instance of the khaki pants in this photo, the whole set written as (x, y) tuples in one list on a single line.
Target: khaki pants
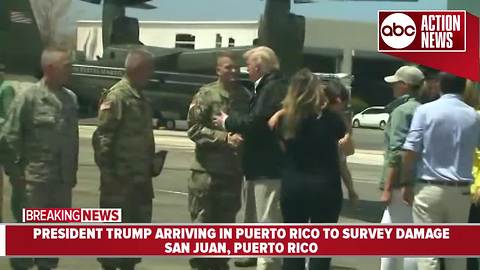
[(267, 202), (441, 204), (249, 201)]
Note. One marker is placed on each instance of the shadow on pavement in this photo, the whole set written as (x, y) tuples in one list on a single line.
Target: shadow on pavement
[(368, 211)]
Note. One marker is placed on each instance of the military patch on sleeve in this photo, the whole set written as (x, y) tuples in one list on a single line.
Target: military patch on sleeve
[(105, 105)]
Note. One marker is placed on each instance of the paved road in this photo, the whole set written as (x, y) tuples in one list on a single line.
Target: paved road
[(170, 204), (365, 138), (368, 138)]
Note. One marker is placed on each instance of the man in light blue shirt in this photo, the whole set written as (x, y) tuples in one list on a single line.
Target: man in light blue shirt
[(441, 142)]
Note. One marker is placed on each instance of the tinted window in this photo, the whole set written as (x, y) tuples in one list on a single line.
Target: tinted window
[(231, 42), (374, 111), (186, 41), (218, 41)]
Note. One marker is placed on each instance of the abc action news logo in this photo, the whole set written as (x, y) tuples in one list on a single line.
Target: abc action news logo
[(422, 31), (72, 215)]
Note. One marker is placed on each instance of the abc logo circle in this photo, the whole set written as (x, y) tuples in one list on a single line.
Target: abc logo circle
[(398, 30)]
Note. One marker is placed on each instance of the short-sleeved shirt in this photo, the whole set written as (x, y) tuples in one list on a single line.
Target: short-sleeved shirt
[(445, 133)]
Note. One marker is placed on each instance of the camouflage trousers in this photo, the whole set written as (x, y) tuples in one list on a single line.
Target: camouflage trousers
[(17, 200), (134, 210), (1, 193), (213, 198), (39, 195)]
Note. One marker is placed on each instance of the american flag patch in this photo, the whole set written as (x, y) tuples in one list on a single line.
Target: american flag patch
[(20, 17)]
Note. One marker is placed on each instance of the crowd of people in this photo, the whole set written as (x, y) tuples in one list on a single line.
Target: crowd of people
[(431, 143), (281, 147)]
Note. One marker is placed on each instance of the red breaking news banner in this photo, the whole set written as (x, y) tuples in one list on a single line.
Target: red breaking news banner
[(241, 240), (445, 40)]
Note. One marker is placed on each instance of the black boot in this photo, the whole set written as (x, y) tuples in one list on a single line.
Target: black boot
[(247, 262)]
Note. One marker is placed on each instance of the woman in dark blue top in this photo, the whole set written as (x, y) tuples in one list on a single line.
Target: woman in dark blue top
[(309, 132)]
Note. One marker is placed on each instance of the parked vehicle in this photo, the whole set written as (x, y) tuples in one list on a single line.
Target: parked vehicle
[(371, 117)]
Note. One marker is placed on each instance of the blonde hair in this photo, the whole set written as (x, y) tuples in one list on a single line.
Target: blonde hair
[(264, 57), (305, 97), (471, 95)]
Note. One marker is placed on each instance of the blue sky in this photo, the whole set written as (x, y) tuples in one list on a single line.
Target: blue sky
[(220, 10)]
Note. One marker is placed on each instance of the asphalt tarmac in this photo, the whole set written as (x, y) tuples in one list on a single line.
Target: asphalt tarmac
[(170, 203)]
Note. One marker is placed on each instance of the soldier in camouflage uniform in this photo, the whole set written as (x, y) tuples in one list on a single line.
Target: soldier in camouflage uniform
[(6, 97), (8, 90), (214, 189), (7, 93), (40, 141), (124, 148)]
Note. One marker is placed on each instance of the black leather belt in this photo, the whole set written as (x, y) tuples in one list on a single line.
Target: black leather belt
[(446, 183)]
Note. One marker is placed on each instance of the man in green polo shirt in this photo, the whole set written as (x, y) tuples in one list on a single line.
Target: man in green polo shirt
[(406, 83)]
